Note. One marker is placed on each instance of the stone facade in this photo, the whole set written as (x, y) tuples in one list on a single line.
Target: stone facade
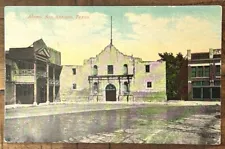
[(114, 76)]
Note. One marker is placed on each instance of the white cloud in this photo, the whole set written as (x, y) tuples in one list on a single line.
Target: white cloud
[(171, 34), (72, 36), (21, 33)]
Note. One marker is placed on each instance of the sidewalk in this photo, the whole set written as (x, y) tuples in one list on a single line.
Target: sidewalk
[(177, 103)]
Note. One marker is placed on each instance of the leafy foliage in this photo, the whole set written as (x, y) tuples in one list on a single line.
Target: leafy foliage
[(176, 75)]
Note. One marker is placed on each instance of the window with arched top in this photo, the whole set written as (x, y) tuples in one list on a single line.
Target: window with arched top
[(74, 86), (95, 87), (125, 88), (125, 69), (95, 70)]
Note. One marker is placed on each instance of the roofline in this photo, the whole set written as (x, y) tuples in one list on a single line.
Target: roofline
[(201, 53), (206, 52), (73, 65), (53, 49), (153, 61), (130, 56), (20, 48)]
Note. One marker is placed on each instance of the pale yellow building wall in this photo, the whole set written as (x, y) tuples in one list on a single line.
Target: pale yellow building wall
[(111, 56), (157, 76)]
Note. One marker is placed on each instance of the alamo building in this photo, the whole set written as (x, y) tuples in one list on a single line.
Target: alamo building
[(114, 76)]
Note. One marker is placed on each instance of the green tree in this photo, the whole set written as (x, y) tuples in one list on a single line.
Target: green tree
[(176, 75)]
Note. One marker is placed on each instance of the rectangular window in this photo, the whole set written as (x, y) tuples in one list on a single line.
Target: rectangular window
[(74, 86), (217, 70), (206, 93), (197, 93), (197, 83), (217, 82), (193, 71), (200, 71), (74, 71), (216, 92), (217, 56), (147, 68), (95, 87), (149, 84), (205, 83), (110, 69), (206, 71)]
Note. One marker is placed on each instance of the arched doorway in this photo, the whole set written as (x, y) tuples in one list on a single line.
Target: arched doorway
[(110, 92)]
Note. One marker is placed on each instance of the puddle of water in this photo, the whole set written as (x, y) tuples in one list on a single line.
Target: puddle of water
[(60, 127)]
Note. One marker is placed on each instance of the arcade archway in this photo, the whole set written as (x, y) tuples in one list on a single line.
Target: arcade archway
[(110, 91)]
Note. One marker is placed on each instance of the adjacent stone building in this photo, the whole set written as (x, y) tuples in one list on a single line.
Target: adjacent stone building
[(204, 75), (114, 76), (32, 74)]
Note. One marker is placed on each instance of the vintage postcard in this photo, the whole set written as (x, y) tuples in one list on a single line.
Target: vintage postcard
[(128, 74)]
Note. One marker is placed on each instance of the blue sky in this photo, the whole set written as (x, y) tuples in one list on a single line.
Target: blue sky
[(136, 30)]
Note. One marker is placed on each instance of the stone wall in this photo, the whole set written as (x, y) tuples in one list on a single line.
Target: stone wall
[(111, 56), (9, 95), (150, 96), (157, 76), (190, 91)]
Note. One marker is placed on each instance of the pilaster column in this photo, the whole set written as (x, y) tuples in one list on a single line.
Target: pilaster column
[(89, 96), (91, 87), (210, 91), (103, 91), (202, 93), (128, 90), (212, 72), (35, 83), (14, 93), (119, 86), (98, 89), (119, 90), (47, 79), (129, 85), (117, 95), (190, 73), (53, 96)]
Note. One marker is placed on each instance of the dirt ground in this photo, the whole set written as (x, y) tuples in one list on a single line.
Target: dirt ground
[(115, 123)]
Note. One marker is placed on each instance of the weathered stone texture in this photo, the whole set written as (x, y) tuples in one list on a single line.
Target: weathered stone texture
[(112, 56)]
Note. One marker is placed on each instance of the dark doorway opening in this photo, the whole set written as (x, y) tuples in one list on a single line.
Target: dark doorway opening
[(24, 93), (51, 93), (57, 94), (110, 92), (216, 92), (197, 93), (206, 93), (43, 94)]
